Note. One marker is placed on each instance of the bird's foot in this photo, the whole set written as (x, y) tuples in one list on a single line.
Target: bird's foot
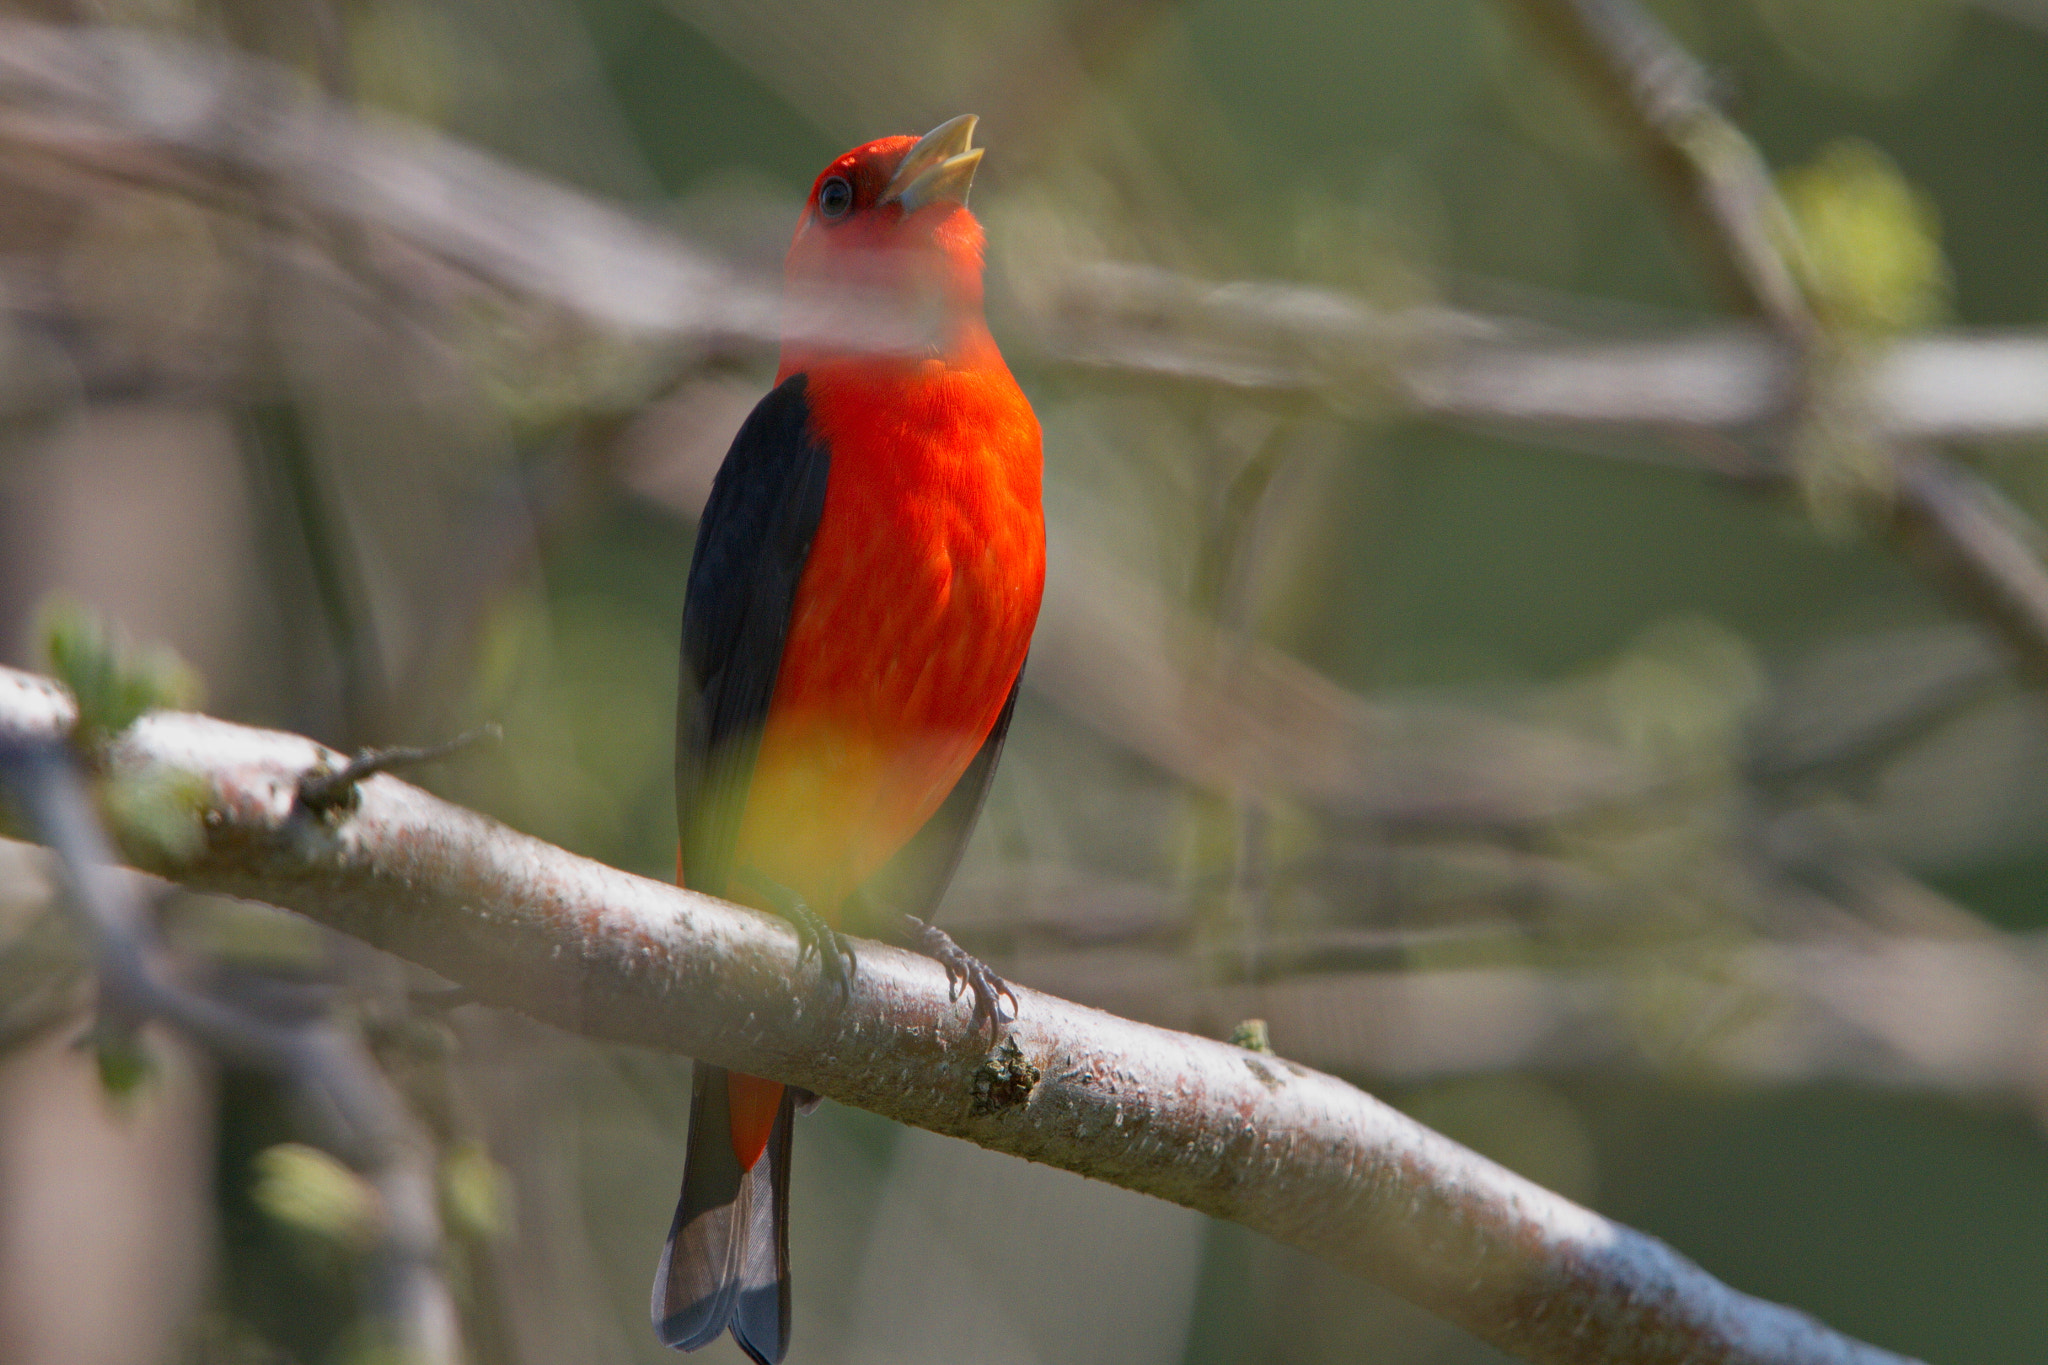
[(814, 937), (964, 972)]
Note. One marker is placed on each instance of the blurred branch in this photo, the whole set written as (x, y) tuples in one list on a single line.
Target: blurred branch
[(1225, 711), (1961, 1014), (1970, 536), (1952, 521), (1256, 1140), (153, 112), (365, 1122), (1463, 366), (1665, 98), (170, 115)]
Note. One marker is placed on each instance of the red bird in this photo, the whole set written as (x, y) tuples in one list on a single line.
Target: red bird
[(861, 598)]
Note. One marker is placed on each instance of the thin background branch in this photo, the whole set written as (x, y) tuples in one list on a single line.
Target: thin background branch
[(1958, 526), (155, 112)]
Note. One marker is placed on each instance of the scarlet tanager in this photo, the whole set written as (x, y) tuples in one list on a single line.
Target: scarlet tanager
[(861, 597)]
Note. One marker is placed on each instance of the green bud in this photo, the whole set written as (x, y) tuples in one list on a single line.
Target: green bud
[(1873, 242), (1253, 1036), (112, 680), (310, 1192), (476, 1192), (157, 813), (124, 1063)]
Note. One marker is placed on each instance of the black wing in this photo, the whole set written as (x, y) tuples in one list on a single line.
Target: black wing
[(752, 544), (915, 879)]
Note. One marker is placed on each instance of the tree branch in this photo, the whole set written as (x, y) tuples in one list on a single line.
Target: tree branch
[(205, 124), (1289, 1152), (1953, 522), (363, 1120), (1659, 94)]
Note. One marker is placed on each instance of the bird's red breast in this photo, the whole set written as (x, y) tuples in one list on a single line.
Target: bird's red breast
[(915, 608), (911, 620)]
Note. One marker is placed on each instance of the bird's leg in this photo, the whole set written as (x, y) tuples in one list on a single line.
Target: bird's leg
[(964, 972), (833, 949)]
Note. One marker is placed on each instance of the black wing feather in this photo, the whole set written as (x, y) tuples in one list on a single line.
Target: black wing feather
[(752, 545), (726, 1261)]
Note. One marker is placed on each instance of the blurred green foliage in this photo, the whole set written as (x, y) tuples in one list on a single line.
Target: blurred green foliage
[(1872, 241), (308, 1191), (476, 1194), (113, 680)]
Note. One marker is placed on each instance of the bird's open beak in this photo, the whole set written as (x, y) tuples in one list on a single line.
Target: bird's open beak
[(940, 166)]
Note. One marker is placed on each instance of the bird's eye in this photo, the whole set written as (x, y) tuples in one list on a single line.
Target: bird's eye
[(835, 197)]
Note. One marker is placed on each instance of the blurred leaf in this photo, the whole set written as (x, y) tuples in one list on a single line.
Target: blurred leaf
[(312, 1193), (1683, 693), (124, 1063), (1873, 242), (113, 680), (158, 811), (476, 1192), (1874, 268), (1845, 472)]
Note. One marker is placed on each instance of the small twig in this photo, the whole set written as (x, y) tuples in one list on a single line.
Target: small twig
[(324, 788), (1974, 541)]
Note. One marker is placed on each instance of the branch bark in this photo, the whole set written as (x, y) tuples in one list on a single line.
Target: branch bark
[(1254, 1139)]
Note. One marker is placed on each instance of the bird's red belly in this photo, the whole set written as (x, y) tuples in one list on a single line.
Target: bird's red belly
[(910, 625)]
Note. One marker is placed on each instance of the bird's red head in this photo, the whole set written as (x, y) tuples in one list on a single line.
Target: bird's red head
[(887, 226)]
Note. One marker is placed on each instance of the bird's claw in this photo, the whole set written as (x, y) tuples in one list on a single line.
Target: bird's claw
[(814, 937), (965, 973)]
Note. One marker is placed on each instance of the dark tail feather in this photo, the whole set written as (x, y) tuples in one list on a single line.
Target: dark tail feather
[(726, 1263)]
